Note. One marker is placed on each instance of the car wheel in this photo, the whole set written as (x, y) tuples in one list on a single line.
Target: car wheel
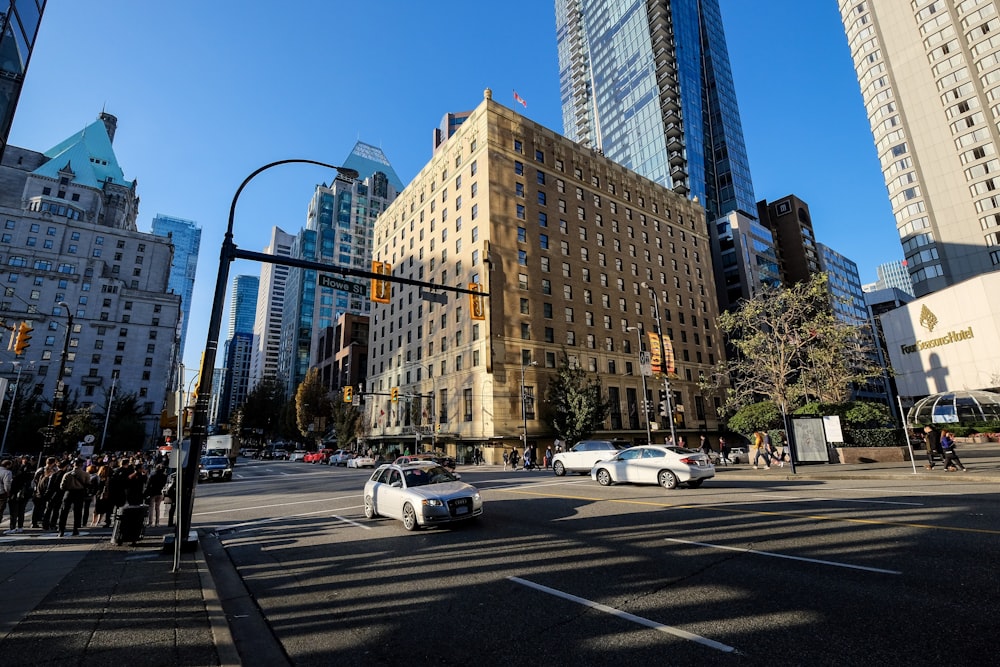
[(370, 508), (409, 517), (667, 479), (603, 477), (558, 468), (694, 483)]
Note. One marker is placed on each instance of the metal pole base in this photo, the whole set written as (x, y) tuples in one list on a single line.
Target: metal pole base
[(189, 545)]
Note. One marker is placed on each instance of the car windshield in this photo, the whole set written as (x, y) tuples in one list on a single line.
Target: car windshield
[(427, 475), (214, 461)]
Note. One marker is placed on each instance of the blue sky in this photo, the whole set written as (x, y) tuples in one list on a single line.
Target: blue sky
[(206, 92)]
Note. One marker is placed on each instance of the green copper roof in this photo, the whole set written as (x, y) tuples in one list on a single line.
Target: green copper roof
[(367, 159), (89, 154)]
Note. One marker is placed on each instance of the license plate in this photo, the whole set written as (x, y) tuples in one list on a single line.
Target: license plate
[(462, 509)]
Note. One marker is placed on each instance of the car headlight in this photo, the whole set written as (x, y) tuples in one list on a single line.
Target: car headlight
[(476, 497), (433, 502)]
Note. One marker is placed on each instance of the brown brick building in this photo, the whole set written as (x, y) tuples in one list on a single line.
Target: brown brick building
[(562, 239)]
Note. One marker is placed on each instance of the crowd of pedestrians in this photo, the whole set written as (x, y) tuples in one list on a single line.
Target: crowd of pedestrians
[(87, 490)]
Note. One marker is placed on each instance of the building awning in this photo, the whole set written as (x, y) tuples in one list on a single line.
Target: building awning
[(955, 407)]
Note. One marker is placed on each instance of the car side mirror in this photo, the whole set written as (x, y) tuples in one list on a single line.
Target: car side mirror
[(396, 485), (456, 475)]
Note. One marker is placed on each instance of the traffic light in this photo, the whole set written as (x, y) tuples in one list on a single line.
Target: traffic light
[(394, 394), (476, 305), (23, 339), (665, 408), (57, 418), (348, 394), (381, 289)]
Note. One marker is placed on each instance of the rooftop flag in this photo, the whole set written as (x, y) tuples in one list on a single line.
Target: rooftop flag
[(518, 98)]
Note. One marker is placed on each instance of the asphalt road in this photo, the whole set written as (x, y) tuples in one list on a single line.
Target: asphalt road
[(745, 570)]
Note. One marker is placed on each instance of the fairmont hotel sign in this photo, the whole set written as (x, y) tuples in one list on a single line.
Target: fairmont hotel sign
[(929, 321)]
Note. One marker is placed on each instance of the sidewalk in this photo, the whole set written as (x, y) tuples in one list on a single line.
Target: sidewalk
[(84, 601)]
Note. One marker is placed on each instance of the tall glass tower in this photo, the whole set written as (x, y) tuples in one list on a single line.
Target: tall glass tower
[(18, 31), (186, 237), (649, 84)]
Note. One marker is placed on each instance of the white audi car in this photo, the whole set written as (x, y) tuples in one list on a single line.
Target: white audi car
[(420, 494)]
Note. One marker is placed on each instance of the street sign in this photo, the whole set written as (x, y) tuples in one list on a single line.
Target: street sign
[(343, 285), (90, 439), (441, 298)]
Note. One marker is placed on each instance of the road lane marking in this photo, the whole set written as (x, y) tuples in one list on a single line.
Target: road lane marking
[(837, 500), (660, 627), (353, 523), (273, 505), (734, 510), (788, 556)]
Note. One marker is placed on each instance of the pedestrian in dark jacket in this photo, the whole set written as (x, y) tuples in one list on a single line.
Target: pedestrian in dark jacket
[(54, 496), (154, 493)]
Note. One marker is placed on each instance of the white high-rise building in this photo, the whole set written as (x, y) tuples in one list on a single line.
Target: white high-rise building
[(270, 308), (930, 79)]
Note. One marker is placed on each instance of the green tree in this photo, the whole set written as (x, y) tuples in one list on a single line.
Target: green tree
[(576, 408), (346, 422), (126, 431), (260, 414), (790, 346), (313, 406), (762, 416), (77, 425)]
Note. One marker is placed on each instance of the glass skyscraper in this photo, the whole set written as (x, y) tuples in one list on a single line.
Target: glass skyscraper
[(650, 85), (18, 30), (186, 237)]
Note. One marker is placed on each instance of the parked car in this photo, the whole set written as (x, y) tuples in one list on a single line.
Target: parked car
[(420, 494), (318, 457), (666, 465), (340, 457), (361, 461), (582, 456), (440, 459), (215, 468), (298, 455), (738, 455)]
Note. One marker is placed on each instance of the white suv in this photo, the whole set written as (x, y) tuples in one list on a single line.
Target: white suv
[(340, 458), (584, 455)]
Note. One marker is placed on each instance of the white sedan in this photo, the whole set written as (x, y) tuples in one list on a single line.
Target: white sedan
[(666, 465), (420, 494), (361, 461)]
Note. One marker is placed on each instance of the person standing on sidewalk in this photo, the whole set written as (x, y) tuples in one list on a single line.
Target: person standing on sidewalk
[(20, 493), (6, 482), (54, 493), (932, 441), (74, 486), (951, 460), (154, 492)]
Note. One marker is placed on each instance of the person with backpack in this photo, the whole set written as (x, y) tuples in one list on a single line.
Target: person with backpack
[(74, 487), (761, 445), (153, 493), (170, 496), (951, 460)]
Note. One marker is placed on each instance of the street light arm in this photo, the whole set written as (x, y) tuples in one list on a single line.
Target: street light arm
[(199, 425)]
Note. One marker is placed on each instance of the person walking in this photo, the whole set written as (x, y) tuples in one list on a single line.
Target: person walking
[(506, 460), (723, 451), (74, 486), (951, 460), (170, 497), (759, 446), (932, 441), (548, 458)]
